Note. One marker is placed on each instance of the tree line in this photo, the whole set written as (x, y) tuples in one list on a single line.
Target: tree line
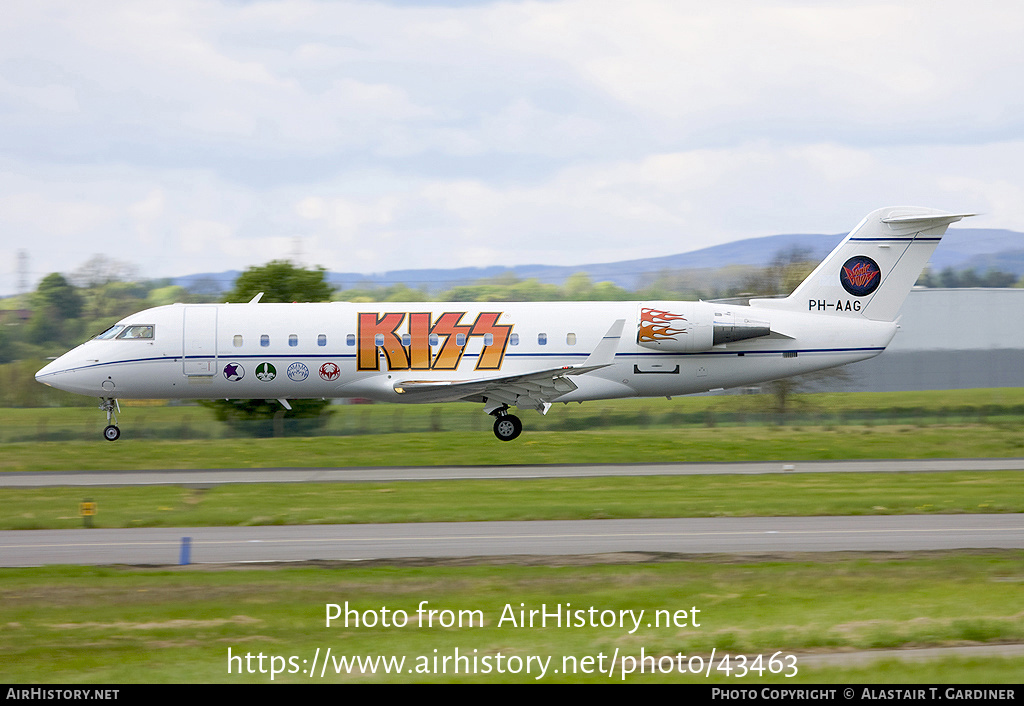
[(65, 310)]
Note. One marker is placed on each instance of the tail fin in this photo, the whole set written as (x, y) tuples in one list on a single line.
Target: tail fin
[(872, 270)]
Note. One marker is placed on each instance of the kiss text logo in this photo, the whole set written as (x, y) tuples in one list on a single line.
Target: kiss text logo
[(383, 331)]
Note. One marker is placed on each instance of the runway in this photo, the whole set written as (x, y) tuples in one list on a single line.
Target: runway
[(220, 476), (476, 539), (758, 535)]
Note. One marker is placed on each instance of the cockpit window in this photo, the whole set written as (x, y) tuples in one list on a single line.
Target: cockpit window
[(137, 332), (110, 332)]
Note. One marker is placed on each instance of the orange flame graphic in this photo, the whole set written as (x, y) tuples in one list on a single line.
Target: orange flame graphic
[(655, 325)]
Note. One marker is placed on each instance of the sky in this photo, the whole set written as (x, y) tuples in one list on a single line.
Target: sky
[(205, 135)]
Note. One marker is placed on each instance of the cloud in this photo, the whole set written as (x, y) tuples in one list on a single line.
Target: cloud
[(384, 135)]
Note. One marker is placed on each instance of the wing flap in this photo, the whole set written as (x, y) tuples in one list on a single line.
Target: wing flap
[(534, 390)]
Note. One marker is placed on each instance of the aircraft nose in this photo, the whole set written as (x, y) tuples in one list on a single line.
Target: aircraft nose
[(48, 369), (60, 373)]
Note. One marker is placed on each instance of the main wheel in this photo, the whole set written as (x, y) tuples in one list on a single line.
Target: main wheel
[(111, 433), (508, 427)]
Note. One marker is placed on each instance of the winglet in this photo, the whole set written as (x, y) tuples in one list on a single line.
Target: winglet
[(604, 354)]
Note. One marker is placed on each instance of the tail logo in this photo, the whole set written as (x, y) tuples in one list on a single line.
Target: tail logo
[(860, 276)]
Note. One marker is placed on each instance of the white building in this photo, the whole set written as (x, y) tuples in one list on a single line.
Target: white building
[(950, 339)]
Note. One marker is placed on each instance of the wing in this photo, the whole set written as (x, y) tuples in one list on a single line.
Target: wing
[(536, 389)]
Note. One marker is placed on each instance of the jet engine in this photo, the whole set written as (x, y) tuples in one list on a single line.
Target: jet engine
[(687, 327)]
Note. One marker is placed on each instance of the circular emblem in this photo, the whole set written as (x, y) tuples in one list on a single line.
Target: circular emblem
[(860, 276), (298, 372), (266, 372), (330, 371), (234, 372)]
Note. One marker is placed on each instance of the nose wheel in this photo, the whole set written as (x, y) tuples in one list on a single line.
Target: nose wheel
[(507, 426), (111, 432)]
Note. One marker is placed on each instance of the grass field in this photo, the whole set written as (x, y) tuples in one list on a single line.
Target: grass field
[(947, 424), (129, 625), (617, 445), (532, 499), (158, 421), (120, 625)]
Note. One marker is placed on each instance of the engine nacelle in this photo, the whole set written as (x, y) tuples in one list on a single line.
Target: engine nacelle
[(688, 327)]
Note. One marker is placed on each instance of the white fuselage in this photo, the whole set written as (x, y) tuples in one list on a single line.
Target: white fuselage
[(341, 349)]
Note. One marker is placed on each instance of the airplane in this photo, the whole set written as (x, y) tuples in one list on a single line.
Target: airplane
[(526, 355)]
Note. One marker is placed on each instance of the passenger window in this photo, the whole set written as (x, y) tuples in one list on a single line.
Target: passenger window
[(488, 339), (293, 340), (349, 339), (460, 339), (514, 339), (378, 339), (264, 340), (406, 339), (321, 340), (542, 339), (433, 339), (237, 341), (570, 339)]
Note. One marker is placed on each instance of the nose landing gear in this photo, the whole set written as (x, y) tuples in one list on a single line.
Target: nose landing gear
[(109, 405)]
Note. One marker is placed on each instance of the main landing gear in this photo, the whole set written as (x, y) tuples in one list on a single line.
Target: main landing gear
[(506, 426), (111, 432)]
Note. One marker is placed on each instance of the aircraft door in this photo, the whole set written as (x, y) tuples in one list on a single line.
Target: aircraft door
[(199, 345)]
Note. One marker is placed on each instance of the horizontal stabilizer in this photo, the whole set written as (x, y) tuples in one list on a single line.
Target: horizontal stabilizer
[(928, 221)]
